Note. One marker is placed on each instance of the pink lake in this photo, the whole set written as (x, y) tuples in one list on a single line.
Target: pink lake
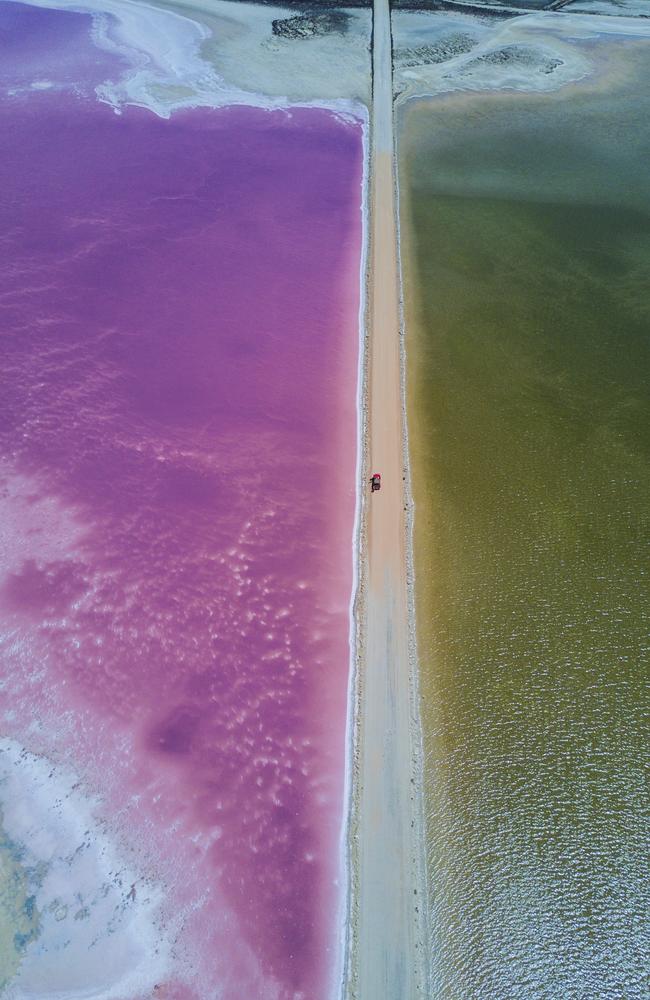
[(178, 429)]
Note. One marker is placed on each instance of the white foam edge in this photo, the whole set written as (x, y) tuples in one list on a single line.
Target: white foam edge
[(341, 972)]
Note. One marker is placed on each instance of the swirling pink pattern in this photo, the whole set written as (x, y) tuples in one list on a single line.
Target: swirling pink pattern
[(178, 441)]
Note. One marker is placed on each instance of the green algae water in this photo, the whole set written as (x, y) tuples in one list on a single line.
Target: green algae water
[(526, 223)]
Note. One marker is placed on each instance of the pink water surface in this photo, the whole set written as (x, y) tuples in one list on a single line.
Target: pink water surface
[(179, 303)]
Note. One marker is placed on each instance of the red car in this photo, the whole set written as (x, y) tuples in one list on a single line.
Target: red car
[(375, 482)]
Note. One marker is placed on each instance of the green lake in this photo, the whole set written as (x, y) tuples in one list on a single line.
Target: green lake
[(526, 231)]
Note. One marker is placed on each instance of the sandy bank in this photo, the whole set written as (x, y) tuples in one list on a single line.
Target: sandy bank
[(387, 938)]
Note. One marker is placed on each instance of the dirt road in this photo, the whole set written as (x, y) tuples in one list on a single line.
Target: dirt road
[(387, 948)]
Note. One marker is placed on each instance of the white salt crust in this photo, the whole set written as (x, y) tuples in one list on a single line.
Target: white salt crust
[(535, 53), (224, 54), (100, 933)]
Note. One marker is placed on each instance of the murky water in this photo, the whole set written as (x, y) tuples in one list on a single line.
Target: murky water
[(529, 406)]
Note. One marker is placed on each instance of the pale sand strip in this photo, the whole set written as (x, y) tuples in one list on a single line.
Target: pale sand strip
[(387, 957)]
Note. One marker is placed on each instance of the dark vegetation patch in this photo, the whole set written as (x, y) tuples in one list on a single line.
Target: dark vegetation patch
[(443, 50), (518, 55), (312, 23)]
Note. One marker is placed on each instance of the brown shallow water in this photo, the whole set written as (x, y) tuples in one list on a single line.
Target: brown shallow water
[(526, 224)]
